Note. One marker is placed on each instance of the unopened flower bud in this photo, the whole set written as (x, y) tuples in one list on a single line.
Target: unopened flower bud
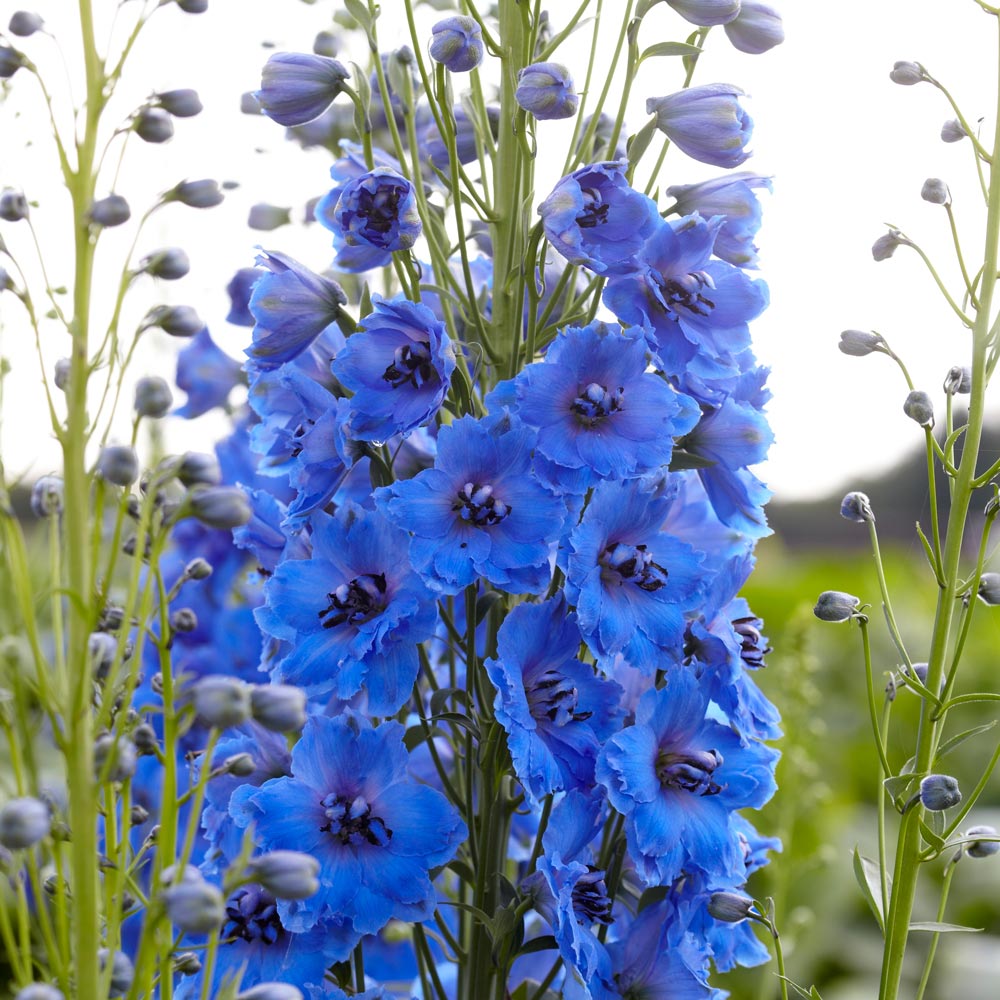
[(952, 131), (177, 321), (982, 848), (546, 90), (885, 246), (240, 764), (144, 739), (756, 29), (110, 211), (223, 507), (919, 408), (939, 792), (153, 125), (177, 875), (39, 991), (47, 496), (138, 815), (183, 103), (101, 650), (958, 381), (271, 991), (121, 753), (286, 874), (326, 44), (122, 971), (908, 73), (193, 6), (24, 23), (856, 507), (61, 372), (196, 194), (266, 218), (10, 61), (195, 907), (249, 105), (118, 464), (279, 707), (13, 205), (935, 191), (169, 264), (729, 907), (836, 606), (187, 963), (457, 43), (221, 701), (198, 468), (296, 87), (183, 620), (153, 397), (198, 569), (24, 822), (989, 588)]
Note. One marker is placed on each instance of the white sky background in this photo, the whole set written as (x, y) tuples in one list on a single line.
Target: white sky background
[(848, 149)]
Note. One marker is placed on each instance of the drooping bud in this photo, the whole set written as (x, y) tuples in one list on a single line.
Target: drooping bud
[(296, 87), (939, 792), (153, 397), (279, 707), (25, 23), (239, 764), (286, 874), (885, 246), (144, 739), (457, 43), (47, 496), (187, 963), (989, 588), (266, 218), (326, 44), (101, 650), (118, 464), (982, 848), (919, 408), (908, 73), (122, 754), (24, 822), (859, 343), (182, 103), (707, 122), (122, 971), (193, 6), (169, 264), (110, 211), (729, 907), (935, 191), (13, 205), (195, 194), (183, 620), (952, 131), (958, 381), (61, 372), (198, 569), (836, 606), (153, 125), (546, 90), (177, 321), (10, 61), (221, 701), (199, 468), (222, 507), (195, 907), (756, 29), (856, 507)]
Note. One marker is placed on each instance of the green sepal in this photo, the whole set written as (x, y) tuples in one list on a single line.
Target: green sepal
[(639, 143), (671, 49), (936, 927), (868, 874)]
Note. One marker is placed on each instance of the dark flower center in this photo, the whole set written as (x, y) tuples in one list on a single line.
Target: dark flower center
[(751, 642), (686, 292), (632, 564), (590, 899), (595, 209), (351, 821), (689, 770), (412, 364), (379, 208), (553, 697), (355, 602), (252, 915), (477, 505), (596, 402)]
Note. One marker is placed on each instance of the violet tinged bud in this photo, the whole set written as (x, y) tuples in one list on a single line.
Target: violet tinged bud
[(958, 381), (138, 815), (885, 246), (266, 218), (169, 264), (195, 907), (60, 373), (153, 125), (144, 739), (249, 105), (546, 90), (182, 103), (239, 289), (908, 73), (296, 87), (122, 754), (24, 23), (183, 620), (110, 211), (221, 701), (756, 29), (198, 569), (39, 991), (199, 468), (856, 507), (10, 61), (707, 123), (13, 205), (326, 44), (240, 764), (122, 971), (918, 407), (222, 507), (705, 13), (177, 321), (24, 822), (836, 606), (193, 6), (187, 963), (196, 194), (286, 874), (730, 907), (935, 191), (47, 496), (6, 282), (939, 792), (989, 589), (982, 848), (101, 650), (271, 991), (175, 875), (457, 43), (118, 464), (952, 131), (279, 707), (153, 397)]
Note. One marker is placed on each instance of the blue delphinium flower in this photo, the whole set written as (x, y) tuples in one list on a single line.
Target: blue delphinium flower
[(546, 90), (206, 373), (595, 218), (398, 366), (375, 831), (239, 288), (292, 306), (706, 12), (597, 408), (296, 87), (677, 777), (457, 43), (378, 209), (353, 613), (555, 710), (707, 122), (479, 511), (756, 29), (632, 584)]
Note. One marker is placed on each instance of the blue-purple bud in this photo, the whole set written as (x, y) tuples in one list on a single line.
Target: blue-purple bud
[(908, 73), (326, 44), (223, 507), (47, 496), (958, 381), (457, 43), (836, 606), (708, 123), (183, 620), (144, 739), (13, 205), (39, 991), (10, 61), (204, 193), (939, 792), (989, 588), (121, 753), (101, 650), (24, 23), (198, 569), (856, 507), (221, 701), (199, 468), (265, 218), (885, 246), (953, 131), (705, 13), (193, 6), (919, 408), (296, 87), (153, 125), (122, 971), (187, 963), (240, 764), (110, 211), (24, 822), (286, 874), (859, 343), (178, 321), (153, 397), (61, 372), (982, 848), (118, 464), (546, 90), (182, 103), (195, 907), (935, 191), (271, 991), (279, 707), (170, 264), (730, 907), (756, 29)]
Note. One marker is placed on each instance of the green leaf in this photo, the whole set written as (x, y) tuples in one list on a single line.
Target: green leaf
[(439, 699), (639, 143), (869, 878), (938, 928), (651, 896), (957, 741), (358, 9), (485, 602), (462, 870), (416, 735), (898, 784), (670, 49), (681, 459), (931, 836), (546, 942), (456, 718)]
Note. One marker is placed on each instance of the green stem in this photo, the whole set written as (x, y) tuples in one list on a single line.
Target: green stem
[(929, 961)]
